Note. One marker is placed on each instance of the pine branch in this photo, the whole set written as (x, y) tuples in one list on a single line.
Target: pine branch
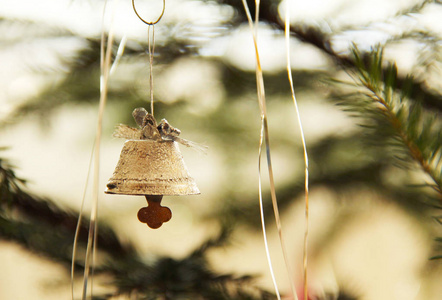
[(77, 87), (418, 130), (24, 30), (389, 113), (187, 278), (30, 221), (322, 40), (314, 36), (356, 167), (417, 7), (392, 117), (37, 217)]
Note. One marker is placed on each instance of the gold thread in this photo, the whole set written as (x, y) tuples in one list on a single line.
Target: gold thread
[(144, 21)]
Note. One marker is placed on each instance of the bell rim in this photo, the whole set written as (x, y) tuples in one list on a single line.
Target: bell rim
[(152, 194), (123, 181)]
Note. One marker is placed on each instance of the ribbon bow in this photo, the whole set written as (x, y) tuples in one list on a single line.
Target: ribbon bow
[(150, 130)]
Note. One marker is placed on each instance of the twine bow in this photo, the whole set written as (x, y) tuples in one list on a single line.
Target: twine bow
[(150, 130)]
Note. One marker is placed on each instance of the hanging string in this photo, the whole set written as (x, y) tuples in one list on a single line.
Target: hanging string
[(261, 101), (106, 70), (264, 138), (105, 64), (151, 47), (304, 147), (81, 212), (90, 256)]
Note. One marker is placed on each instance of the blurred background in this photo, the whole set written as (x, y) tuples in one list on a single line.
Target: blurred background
[(374, 216)]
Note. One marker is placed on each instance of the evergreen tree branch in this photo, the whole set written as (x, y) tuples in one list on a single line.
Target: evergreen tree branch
[(322, 40), (418, 130), (83, 70), (30, 221), (417, 7), (187, 278), (365, 169), (17, 205), (315, 37)]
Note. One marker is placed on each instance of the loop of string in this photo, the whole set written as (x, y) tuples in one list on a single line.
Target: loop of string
[(151, 47), (144, 21)]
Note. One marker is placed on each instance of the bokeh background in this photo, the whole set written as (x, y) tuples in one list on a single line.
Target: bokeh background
[(372, 229)]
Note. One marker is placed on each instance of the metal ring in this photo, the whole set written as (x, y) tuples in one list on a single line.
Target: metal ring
[(144, 21)]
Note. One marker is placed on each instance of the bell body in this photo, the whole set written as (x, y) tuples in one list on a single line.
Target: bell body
[(148, 167)]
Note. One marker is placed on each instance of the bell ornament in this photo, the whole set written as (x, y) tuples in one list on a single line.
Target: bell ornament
[(150, 167)]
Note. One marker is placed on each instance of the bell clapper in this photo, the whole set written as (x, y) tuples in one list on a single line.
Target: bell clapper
[(154, 215)]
